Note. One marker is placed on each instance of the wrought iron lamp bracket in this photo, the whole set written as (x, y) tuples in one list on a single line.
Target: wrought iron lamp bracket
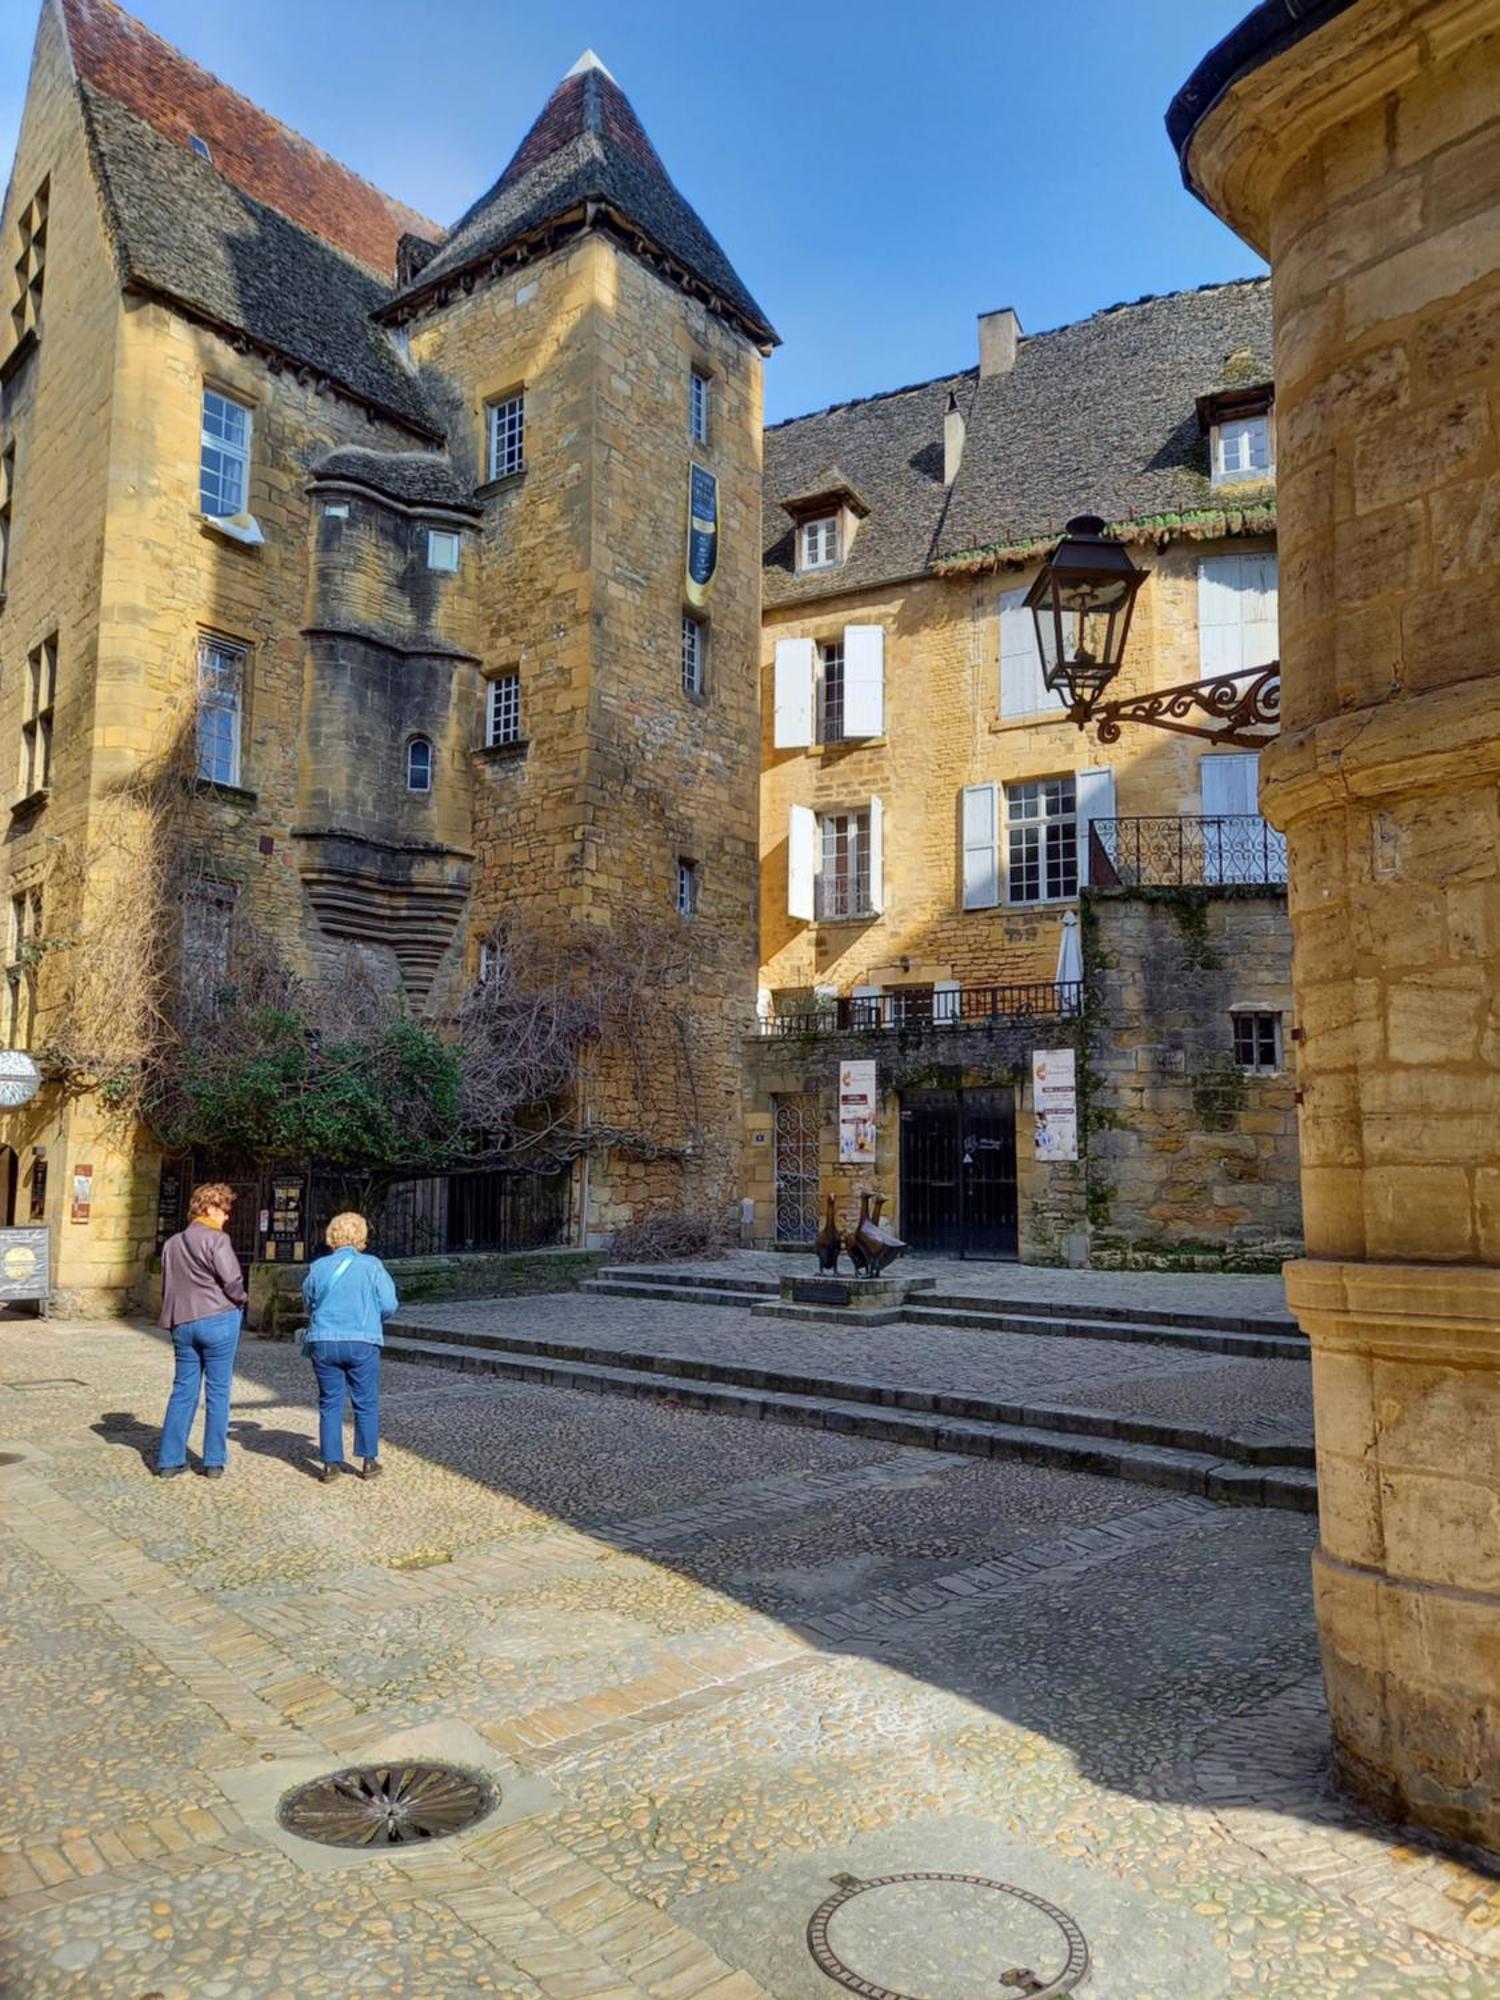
[(1243, 709)]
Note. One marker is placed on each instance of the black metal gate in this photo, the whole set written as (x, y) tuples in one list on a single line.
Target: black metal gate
[(797, 1167), (958, 1172)]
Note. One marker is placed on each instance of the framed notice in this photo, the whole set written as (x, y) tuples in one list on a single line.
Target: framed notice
[(1054, 1098), (856, 1114), (25, 1264)]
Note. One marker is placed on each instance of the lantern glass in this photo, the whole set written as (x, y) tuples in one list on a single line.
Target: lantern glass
[(1081, 602)]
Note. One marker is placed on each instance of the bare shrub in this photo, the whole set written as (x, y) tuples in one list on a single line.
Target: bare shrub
[(661, 1237)]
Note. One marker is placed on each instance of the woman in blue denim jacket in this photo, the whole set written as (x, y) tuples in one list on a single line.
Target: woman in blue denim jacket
[(349, 1295)]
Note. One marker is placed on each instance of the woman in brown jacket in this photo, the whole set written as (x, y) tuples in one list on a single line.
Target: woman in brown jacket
[(202, 1300)]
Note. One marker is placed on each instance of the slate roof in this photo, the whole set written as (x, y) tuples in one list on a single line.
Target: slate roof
[(186, 233), (417, 477), (1100, 416), (264, 158), (588, 146)]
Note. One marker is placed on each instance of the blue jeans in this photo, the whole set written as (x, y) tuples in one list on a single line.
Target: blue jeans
[(347, 1368), (204, 1354)]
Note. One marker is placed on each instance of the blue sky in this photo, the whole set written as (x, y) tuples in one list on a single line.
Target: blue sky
[(878, 171)]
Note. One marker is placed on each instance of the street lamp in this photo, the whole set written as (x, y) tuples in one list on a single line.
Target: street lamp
[(1081, 600)]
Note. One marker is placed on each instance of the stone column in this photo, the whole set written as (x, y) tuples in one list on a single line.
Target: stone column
[(1359, 151)]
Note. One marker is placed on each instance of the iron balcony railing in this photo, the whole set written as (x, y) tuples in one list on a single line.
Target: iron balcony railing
[(923, 1007), (1183, 850)]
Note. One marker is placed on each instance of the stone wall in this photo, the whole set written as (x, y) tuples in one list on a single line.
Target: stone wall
[(276, 1307), (1187, 1153)]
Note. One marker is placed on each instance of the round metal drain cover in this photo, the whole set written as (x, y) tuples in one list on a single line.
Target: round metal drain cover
[(386, 1805), (945, 1937)]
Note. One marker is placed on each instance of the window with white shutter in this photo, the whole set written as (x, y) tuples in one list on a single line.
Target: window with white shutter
[(864, 680), (1096, 800), (792, 727), (981, 847), (801, 862), (1022, 689), (1236, 613)]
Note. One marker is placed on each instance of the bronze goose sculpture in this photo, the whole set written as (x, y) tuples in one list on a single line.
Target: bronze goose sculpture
[(854, 1241), (881, 1246), (828, 1242)]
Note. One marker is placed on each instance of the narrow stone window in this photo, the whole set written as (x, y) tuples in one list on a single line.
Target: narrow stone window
[(700, 404), (7, 492), (1257, 1040), (419, 765), (507, 436), (208, 910), (224, 460), (442, 550), (687, 887), (502, 713), (31, 264), (831, 691), (694, 654), (1041, 841), (221, 702), (40, 697)]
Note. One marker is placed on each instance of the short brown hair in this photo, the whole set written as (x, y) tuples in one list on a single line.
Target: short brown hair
[(348, 1231), (207, 1195)]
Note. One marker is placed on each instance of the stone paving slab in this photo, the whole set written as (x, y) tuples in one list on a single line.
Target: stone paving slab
[(734, 1662)]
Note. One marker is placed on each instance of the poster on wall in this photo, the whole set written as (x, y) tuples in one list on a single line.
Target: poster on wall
[(1054, 1098), (856, 1114), (703, 534)]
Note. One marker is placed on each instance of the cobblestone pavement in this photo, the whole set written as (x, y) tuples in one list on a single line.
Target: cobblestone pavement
[(711, 1666)]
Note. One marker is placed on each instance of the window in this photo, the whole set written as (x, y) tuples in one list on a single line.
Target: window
[(819, 542), (698, 408), (1236, 613), (486, 962), (694, 653), (507, 435), (20, 992), (36, 725), (831, 691), (1257, 1041), (1041, 836), (199, 146), (687, 888), (7, 490), (221, 697), (442, 550), (502, 713), (419, 765), (844, 876), (207, 934), (224, 461), (26, 308), (1242, 448)]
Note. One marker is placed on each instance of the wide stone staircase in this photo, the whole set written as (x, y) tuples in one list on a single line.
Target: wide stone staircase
[(1255, 1461)]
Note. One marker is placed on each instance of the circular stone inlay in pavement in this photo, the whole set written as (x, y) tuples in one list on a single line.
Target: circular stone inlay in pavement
[(386, 1805), (945, 1937)]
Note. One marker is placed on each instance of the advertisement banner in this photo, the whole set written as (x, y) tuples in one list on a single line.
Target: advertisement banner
[(856, 1114), (25, 1272), (1054, 1097), (703, 534)]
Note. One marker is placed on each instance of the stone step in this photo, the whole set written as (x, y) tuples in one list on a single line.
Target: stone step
[(1213, 1322), (627, 1372), (642, 1288), (1249, 1346), (690, 1280)]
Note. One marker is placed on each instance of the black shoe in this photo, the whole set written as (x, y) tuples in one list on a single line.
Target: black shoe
[(213, 1471), (331, 1472), (371, 1469), (169, 1471)]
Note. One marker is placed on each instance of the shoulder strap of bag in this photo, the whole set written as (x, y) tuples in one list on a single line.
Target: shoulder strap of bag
[(333, 1280)]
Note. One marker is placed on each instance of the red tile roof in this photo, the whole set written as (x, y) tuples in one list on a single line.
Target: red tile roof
[(260, 155)]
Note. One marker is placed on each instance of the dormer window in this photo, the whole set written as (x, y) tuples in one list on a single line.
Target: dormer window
[(820, 543), (200, 147), (1242, 448)]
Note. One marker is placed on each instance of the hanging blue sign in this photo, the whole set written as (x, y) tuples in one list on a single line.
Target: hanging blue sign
[(703, 534)]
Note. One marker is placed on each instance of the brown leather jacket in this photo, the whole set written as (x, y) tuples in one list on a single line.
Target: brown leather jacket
[(200, 1275)]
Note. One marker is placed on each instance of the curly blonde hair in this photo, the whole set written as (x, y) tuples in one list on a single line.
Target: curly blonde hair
[(207, 1195), (348, 1231)]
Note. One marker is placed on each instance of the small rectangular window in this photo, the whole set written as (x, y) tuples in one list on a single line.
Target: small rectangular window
[(207, 935), (7, 493), (820, 542), (1242, 449), (687, 888), (419, 764), (224, 462), (507, 436), (40, 698), (844, 876), (694, 652), (199, 146), (221, 700), (442, 550), (831, 691), (502, 713), (699, 406), (1041, 841), (1257, 1041)]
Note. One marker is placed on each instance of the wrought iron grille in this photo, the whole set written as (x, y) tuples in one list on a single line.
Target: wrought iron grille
[(922, 1007), (797, 1167), (1183, 850)]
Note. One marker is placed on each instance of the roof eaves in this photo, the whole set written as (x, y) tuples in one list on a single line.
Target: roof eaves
[(1256, 516)]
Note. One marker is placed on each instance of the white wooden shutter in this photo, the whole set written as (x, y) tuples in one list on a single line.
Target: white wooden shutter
[(981, 847), (1229, 784), (801, 862), (945, 1002), (1096, 800), (1262, 643), (877, 856), (1236, 613), (1022, 689), (864, 680), (793, 719)]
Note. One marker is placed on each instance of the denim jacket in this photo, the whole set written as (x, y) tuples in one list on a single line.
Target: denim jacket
[(348, 1293)]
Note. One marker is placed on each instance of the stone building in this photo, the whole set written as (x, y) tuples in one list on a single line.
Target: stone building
[(931, 821), (378, 535), (1357, 146)]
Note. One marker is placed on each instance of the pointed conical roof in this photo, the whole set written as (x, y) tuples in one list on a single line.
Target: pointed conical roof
[(588, 146)]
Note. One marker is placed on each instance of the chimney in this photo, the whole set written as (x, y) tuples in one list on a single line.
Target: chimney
[(998, 334), (953, 439)]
